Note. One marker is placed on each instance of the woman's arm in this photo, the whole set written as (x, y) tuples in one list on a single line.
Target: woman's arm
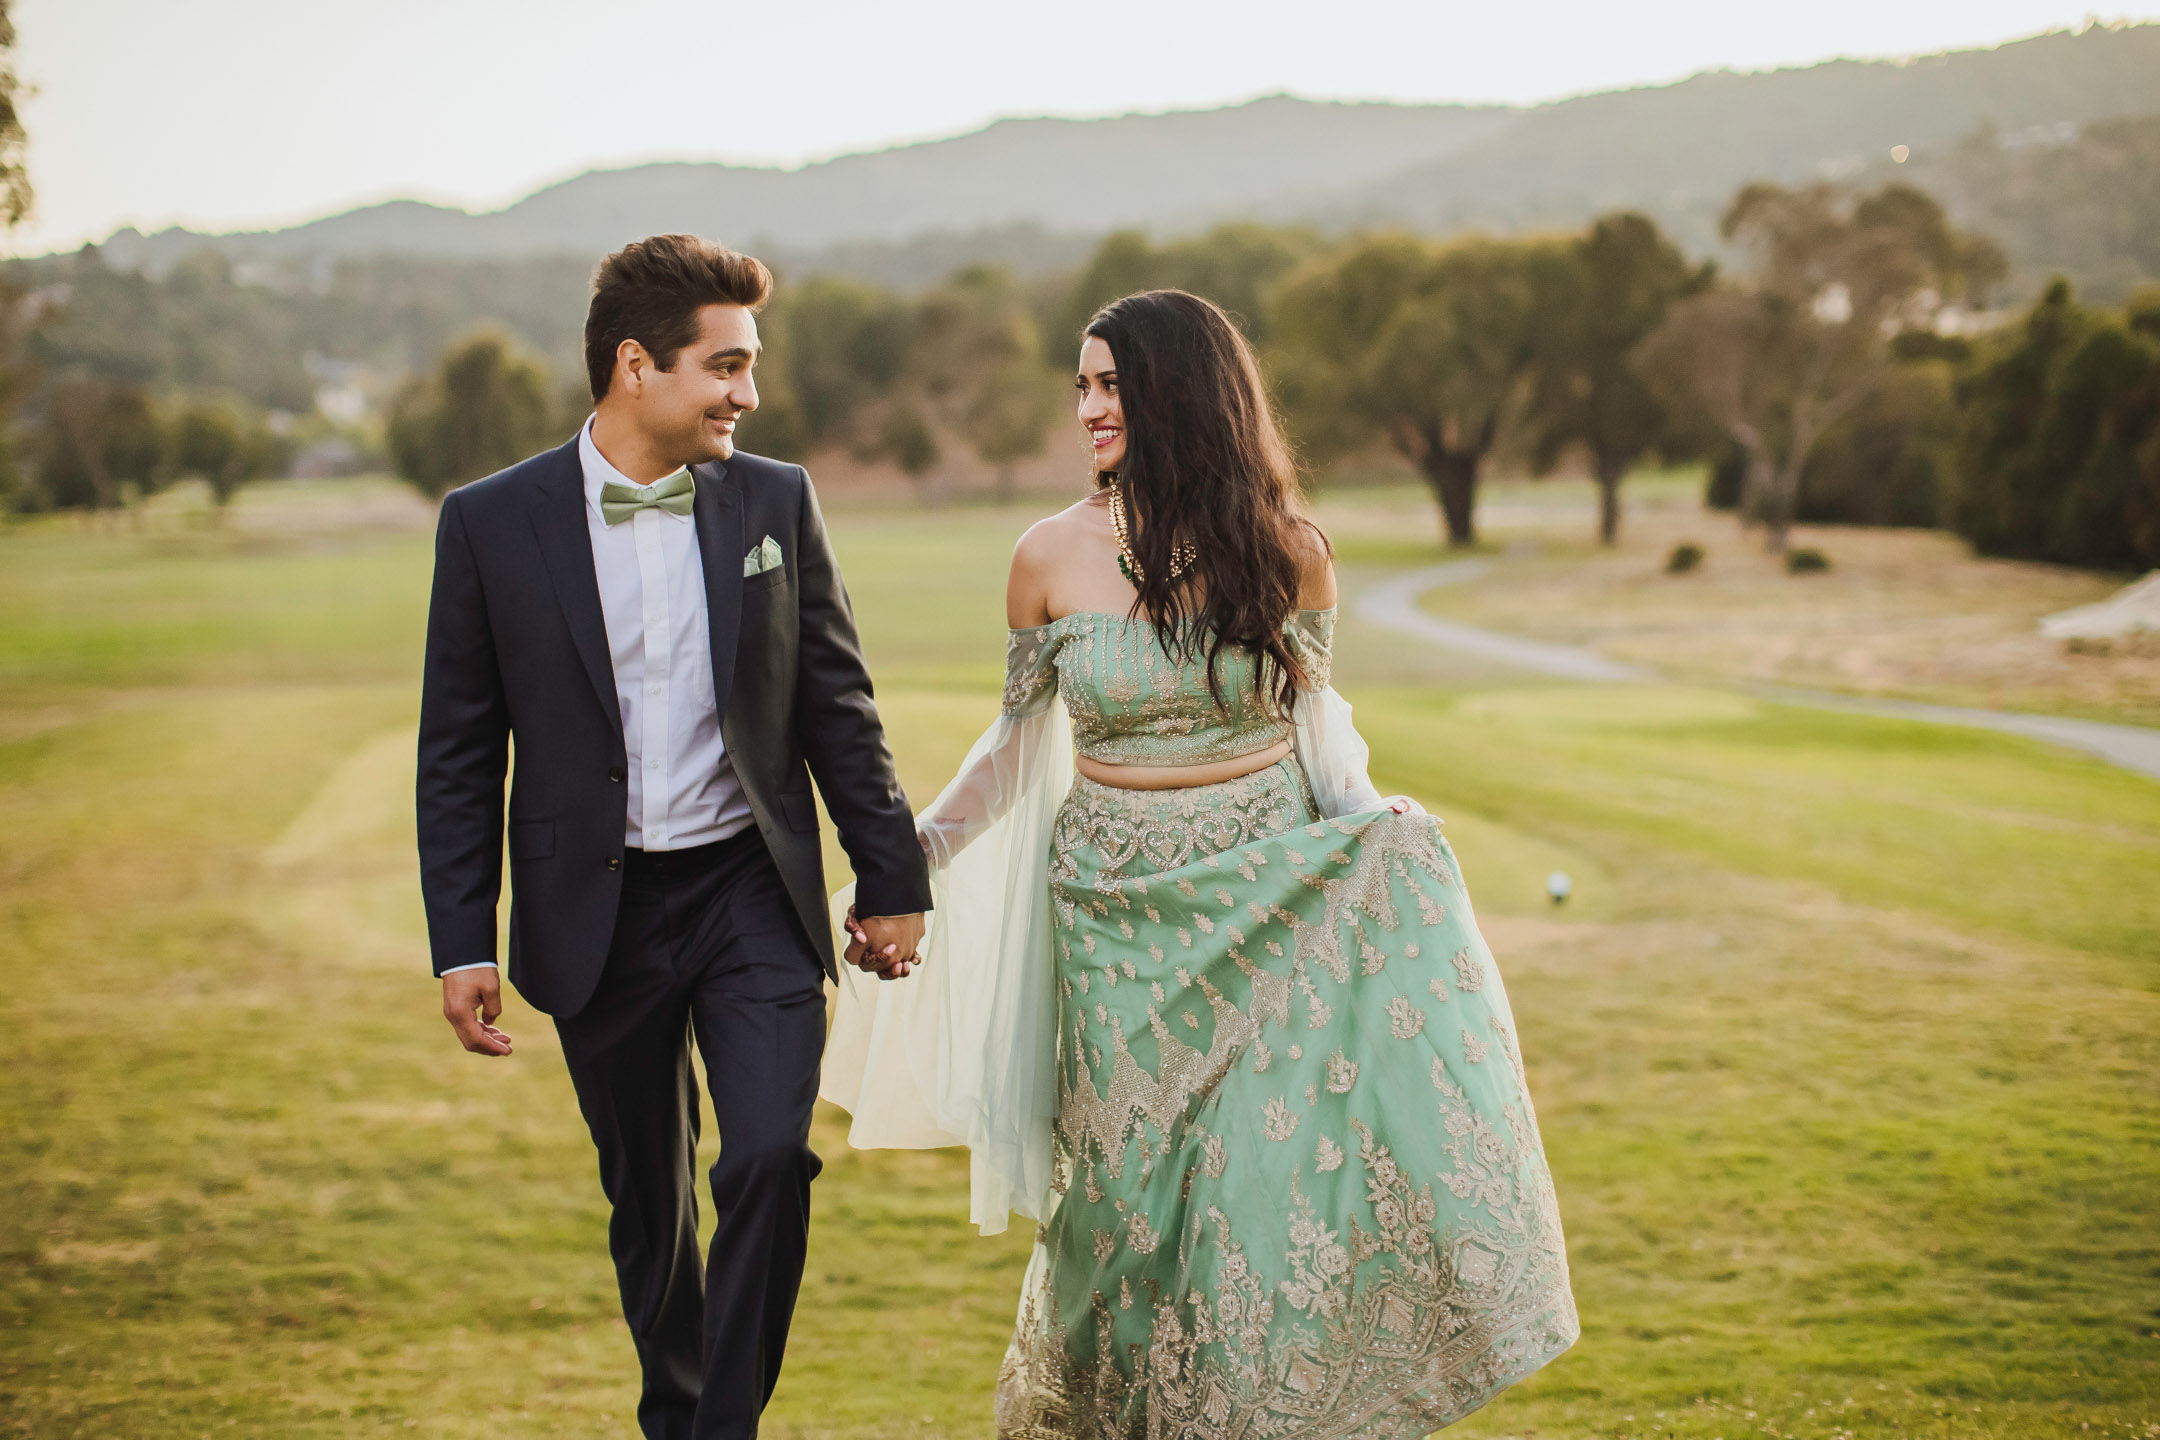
[(994, 772), (1334, 755), (1027, 583)]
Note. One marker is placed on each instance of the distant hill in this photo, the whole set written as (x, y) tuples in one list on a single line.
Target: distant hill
[(2082, 202), (1679, 152), (1034, 193), (1077, 176)]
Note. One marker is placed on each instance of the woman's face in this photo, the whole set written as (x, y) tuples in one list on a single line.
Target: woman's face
[(1102, 414)]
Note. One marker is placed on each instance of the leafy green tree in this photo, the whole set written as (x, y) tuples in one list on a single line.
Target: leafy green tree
[(225, 446), (98, 441), (1430, 348), (485, 406), (2140, 415), (19, 307), (573, 405), (841, 345), (2061, 449), (835, 353), (1234, 265), (844, 356), (1617, 283), (1125, 263), (896, 379), (976, 367), (1777, 360), (1892, 461), (904, 437), (16, 194)]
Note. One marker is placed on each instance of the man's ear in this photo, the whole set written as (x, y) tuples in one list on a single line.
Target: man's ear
[(632, 361)]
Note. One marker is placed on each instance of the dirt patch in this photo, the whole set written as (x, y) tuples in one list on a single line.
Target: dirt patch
[(85, 1252), (329, 507), (1907, 613)]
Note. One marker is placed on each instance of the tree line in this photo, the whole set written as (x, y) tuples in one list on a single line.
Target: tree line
[(1827, 375), (97, 444), (901, 378), (1839, 368), (105, 372)]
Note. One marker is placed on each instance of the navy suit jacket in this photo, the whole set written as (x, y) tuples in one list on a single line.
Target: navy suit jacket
[(517, 646)]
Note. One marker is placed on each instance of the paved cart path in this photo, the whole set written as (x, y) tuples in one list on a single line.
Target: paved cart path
[(1393, 604)]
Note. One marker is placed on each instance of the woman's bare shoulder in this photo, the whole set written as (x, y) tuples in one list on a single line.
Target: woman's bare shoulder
[(1316, 566), (1037, 557), (1050, 538)]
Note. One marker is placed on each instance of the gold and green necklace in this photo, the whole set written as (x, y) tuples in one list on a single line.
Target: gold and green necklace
[(1182, 554)]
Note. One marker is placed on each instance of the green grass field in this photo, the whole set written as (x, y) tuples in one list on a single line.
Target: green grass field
[(1847, 1050)]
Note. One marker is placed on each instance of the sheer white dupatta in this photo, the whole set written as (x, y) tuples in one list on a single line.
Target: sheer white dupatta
[(964, 1051), (1335, 757)]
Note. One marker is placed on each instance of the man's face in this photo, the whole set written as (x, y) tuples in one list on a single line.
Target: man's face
[(689, 411)]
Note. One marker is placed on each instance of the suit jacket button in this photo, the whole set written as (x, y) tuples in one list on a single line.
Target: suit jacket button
[(614, 862), (615, 773)]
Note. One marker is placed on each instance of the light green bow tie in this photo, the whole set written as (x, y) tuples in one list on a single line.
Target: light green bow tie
[(674, 494)]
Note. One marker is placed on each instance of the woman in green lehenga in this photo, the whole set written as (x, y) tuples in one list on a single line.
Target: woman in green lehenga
[(1212, 1012)]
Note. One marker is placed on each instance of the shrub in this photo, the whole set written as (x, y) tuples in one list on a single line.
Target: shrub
[(1685, 557), (1806, 562)]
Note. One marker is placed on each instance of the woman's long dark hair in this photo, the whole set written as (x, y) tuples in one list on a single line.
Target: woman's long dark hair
[(1205, 462)]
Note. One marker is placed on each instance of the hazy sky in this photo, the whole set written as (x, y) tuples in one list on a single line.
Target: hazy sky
[(226, 114)]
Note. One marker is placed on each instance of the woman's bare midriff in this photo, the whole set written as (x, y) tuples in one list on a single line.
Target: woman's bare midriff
[(1180, 777)]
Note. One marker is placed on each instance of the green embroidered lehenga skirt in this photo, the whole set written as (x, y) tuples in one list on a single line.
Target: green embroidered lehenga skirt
[(1298, 1188)]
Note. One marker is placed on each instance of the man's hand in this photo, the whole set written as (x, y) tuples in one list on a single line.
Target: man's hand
[(471, 999), (885, 945)]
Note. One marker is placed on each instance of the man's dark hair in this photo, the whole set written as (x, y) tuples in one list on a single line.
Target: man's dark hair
[(650, 291)]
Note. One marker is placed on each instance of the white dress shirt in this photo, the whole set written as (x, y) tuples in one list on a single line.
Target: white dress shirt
[(683, 789)]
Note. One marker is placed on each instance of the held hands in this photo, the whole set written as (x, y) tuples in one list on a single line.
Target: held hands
[(886, 946), (468, 992)]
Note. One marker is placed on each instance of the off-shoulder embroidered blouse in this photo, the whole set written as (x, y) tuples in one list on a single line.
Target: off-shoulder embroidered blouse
[(1131, 704)]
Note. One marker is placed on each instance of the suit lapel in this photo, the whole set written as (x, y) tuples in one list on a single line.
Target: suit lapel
[(558, 521), (718, 512)]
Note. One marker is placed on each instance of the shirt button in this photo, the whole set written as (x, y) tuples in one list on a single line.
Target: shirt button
[(614, 862), (615, 773), (654, 689), (652, 764)]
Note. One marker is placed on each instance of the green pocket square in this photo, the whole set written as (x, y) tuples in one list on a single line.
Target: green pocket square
[(763, 556)]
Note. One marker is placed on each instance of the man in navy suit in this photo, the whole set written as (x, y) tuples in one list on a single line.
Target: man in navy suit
[(658, 620)]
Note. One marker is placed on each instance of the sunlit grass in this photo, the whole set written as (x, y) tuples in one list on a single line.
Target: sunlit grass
[(1844, 1048)]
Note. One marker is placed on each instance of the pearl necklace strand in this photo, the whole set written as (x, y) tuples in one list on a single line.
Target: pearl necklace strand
[(1182, 554)]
